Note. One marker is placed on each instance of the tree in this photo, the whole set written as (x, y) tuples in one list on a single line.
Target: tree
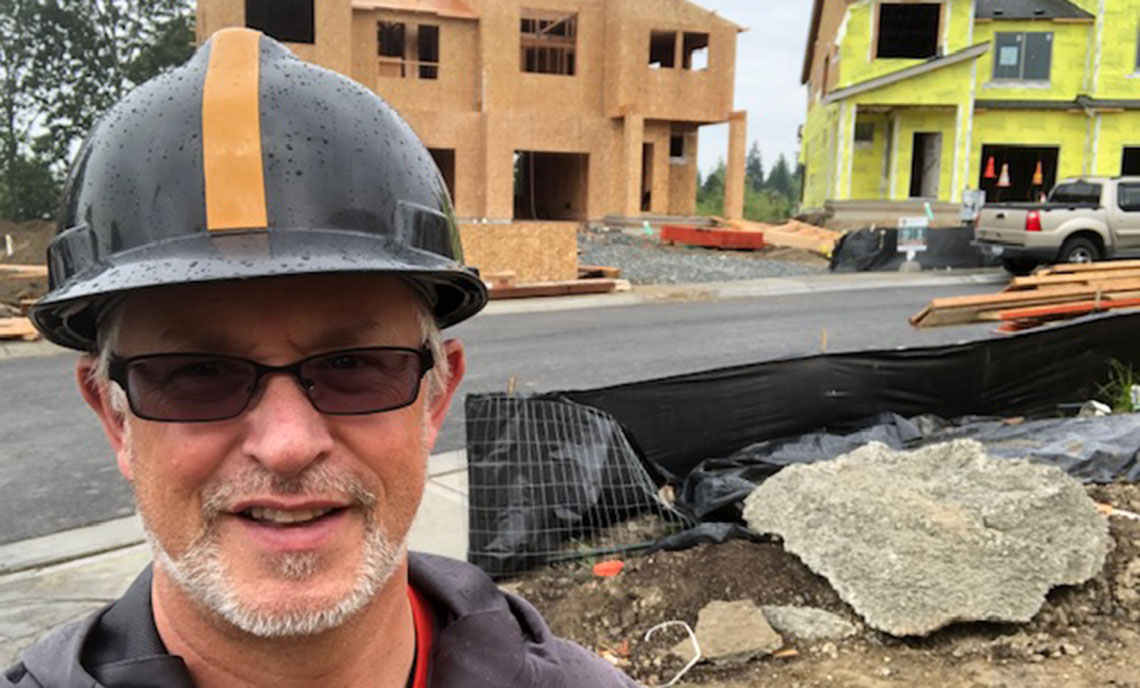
[(780, 179), (63, 63), (710, 192), (754, 168)]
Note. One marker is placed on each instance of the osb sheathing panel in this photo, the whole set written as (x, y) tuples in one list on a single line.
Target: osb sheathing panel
[(683, 179), (463, 133), (214, 15), (534, 251), (458, 75), (671, 93)]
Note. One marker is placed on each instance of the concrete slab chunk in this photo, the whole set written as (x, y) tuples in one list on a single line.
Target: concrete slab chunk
[(731, 633), (808, 623), (915, 541)]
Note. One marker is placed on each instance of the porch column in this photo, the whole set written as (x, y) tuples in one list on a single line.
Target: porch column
[(633, 137), (734, 176)]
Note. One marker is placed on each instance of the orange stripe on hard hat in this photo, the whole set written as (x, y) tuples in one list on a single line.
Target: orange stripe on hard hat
[(231, 133)]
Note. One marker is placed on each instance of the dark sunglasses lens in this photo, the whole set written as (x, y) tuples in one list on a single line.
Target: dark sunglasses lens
[(363, 381), (189, 388)]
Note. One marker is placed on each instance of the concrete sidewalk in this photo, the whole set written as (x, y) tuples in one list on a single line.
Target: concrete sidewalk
[(51, 580)]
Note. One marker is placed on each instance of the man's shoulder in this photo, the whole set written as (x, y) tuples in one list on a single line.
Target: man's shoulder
[(52, 660), (491, 633)]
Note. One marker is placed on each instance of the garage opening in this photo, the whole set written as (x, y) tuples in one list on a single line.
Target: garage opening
[(1017, 173), (445, 160), (926, 164), (908, 30), (550, 186), (1130, 161)]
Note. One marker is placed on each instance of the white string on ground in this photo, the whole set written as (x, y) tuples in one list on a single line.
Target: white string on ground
[(696, 648)]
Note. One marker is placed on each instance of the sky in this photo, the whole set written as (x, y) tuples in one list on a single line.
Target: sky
[(769, 58)]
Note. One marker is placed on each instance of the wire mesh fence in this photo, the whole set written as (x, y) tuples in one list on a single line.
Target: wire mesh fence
[(552, 480)]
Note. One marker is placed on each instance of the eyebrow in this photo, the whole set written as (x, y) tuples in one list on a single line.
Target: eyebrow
[(366, 332), (363, 333)]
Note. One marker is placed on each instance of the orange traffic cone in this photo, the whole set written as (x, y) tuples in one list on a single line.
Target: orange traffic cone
[(1038, 175), (990, 173), (1003, 180)]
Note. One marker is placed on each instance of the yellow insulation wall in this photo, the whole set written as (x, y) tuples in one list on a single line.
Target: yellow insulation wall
[(1067, 68), (1067, 130), (1116, 73), (1116, 130)]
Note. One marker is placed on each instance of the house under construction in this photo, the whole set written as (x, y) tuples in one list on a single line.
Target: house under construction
[(534, 110)]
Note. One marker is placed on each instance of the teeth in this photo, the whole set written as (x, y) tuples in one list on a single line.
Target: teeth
[(286, 517)]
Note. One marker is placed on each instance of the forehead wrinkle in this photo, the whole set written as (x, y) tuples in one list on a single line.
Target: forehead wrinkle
[(363, 333)]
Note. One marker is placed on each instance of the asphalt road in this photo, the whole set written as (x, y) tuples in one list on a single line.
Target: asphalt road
[(56, 472)]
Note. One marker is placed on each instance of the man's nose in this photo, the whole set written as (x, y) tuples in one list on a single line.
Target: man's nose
[(285, 433)]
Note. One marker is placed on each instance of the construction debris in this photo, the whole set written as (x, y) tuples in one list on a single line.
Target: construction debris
[(715, 237), (1060, 292), (791, 234), (915, 541), (565, 288), (731, 633), (17, 328), (808, 623)]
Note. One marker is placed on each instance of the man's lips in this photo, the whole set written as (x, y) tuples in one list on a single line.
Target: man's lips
[(283, 512)]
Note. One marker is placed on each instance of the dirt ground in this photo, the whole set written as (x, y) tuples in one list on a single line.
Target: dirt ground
[(29, 241), (1084, 636)]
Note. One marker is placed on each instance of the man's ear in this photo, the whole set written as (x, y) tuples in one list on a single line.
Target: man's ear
[(97, 394), (457, 360)]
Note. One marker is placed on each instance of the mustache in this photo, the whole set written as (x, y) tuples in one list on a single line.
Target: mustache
[(319, 481)]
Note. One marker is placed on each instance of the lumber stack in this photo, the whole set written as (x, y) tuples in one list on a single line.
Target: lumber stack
[(791, 234), (17, 329), (1060, 292)]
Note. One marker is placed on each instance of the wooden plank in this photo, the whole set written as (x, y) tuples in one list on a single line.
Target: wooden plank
[(25, 305), (19, 271), (712, 238), (565, 288), (17, 328), (503, 278), (959, 310), (1067, 310), (1067, 268), (1022, 283)]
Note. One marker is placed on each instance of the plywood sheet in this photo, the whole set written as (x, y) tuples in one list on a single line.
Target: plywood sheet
[(534, 251)]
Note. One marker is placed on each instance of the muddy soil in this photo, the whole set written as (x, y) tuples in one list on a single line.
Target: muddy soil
[(1083, 636), (29, 242)]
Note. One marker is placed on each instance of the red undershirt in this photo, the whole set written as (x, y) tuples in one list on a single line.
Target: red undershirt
[(421, 616)]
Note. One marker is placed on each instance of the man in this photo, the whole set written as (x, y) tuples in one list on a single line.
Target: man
[(256, 256)]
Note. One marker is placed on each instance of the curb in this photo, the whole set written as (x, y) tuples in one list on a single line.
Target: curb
[(742, 289), (120, 533)]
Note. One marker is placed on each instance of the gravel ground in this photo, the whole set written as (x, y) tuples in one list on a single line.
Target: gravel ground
[(644, 260)]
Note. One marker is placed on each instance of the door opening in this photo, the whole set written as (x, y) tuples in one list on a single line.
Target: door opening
[(926, 164)]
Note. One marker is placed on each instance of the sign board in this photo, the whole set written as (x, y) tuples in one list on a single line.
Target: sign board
[(912, 234), (972, 202)]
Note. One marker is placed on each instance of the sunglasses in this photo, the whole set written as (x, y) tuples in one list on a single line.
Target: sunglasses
[(196, 388)]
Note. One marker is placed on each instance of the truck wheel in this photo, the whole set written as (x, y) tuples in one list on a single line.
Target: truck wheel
[(1079, 250), (1019, 266)]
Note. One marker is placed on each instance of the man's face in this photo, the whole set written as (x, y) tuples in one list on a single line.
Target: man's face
[(282, 520)]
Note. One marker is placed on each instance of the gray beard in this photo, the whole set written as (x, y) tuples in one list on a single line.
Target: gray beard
[(201, 573)]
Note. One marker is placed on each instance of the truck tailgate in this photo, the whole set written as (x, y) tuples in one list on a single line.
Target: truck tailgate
[(1001, 224)]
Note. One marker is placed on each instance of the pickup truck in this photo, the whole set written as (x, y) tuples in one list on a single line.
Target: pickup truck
[(1082, 220)]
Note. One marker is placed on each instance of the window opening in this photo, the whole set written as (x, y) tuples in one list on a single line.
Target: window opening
[(1023, 56), (662, 49), (548, 42), (429, 51), (695, 48), (398, 42), (1130, 161), (864, 133), (390, 38), (677, 147), (908, 30), (286, 20)]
